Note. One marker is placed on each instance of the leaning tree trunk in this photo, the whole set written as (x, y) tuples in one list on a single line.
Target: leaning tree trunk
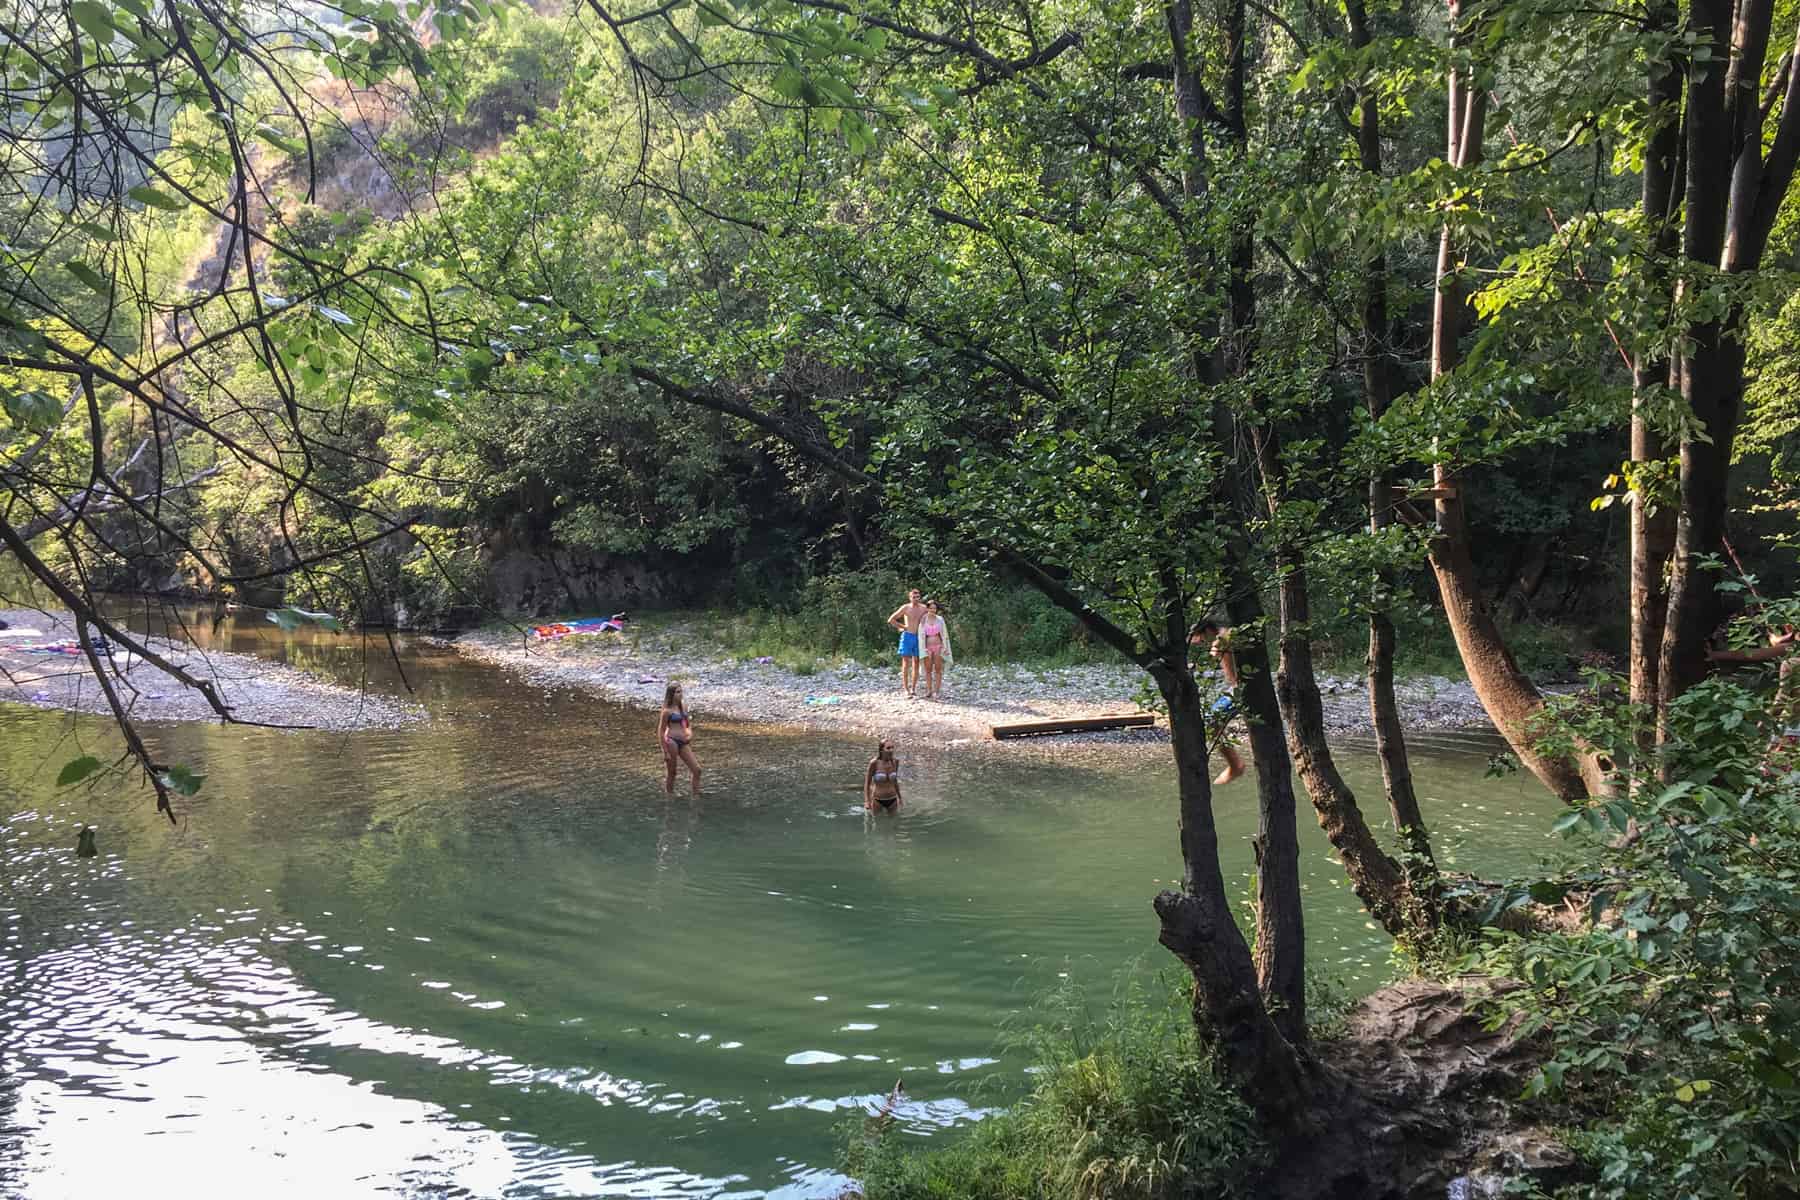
[(1733, 192), (1374, 876), (1512, 701)]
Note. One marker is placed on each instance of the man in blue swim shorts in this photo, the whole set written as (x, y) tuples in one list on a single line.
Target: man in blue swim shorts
[(906, 619)]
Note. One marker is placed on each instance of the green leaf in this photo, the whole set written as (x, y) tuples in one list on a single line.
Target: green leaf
[(95, 19), (145, 194), (97, 232), (182, 780), (1545, 891), (77, 769), (1773, 1076), (33, 410), (87, 275), (788, 83), (280, 140)]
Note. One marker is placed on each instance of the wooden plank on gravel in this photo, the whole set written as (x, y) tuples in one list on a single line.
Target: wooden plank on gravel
[(1073, 725)]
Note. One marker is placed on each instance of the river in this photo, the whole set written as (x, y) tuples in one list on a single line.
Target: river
[(486, 957)]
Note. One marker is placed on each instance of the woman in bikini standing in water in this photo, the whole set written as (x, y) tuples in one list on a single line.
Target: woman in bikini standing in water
[(881, 782), (675, 734)]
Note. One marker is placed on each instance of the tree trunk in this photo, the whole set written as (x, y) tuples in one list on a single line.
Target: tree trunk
[(1733, 193), (1280, 938), (1197, 926), (1510, 698), (1705, 367), (1653, 533), (1374, 876), (1378, 392), (1280, 925), (1275, 1075)]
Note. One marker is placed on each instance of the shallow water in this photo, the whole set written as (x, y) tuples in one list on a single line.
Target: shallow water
[(487, 957)]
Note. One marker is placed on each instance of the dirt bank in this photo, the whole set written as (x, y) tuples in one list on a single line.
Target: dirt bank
[(256, 690)]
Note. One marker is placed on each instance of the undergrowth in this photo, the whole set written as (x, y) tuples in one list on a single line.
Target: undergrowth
[(1127, 1105)]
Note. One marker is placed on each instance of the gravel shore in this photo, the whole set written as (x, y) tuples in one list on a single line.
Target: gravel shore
[(256, 690), (866, 699)]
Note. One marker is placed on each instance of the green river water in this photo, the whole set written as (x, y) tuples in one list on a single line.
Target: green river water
[(486, 957)]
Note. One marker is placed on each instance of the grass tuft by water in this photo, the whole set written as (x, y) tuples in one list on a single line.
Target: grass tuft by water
[(1128, 1105)]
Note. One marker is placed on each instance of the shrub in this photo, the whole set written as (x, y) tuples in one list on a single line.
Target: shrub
[(1127, 1106), (1675, 1007)]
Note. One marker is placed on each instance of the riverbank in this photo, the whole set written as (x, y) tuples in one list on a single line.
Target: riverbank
[(859, 698), (256, 689)]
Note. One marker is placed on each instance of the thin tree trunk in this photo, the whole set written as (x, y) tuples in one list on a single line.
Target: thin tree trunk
[(1280, 925), (1510, 698), (1653, 533), (1374, 876), (1378, 392)]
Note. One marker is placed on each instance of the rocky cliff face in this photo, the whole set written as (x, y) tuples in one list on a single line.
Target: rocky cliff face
[(543, 581)]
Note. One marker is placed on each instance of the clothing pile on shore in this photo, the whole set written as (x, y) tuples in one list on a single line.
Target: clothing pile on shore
[(71, 647), (562, 629)]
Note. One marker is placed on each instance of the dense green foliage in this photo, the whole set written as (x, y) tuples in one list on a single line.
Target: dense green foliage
[(1674, 1001)]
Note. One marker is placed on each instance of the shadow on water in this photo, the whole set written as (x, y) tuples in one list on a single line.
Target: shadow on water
[(486, 956)]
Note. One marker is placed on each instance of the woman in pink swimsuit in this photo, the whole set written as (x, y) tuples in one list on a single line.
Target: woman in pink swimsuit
[(935, 637)]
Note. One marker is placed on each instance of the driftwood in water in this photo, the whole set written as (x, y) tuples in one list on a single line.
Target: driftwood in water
[(1073, 725)]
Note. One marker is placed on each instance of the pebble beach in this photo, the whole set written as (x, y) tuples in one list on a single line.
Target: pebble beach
[(255, 689), (865, 698)]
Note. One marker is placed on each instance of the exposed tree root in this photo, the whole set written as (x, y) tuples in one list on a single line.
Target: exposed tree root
[(1415, 1105)]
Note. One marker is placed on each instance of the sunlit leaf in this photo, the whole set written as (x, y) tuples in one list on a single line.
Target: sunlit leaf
[(182, 780)]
